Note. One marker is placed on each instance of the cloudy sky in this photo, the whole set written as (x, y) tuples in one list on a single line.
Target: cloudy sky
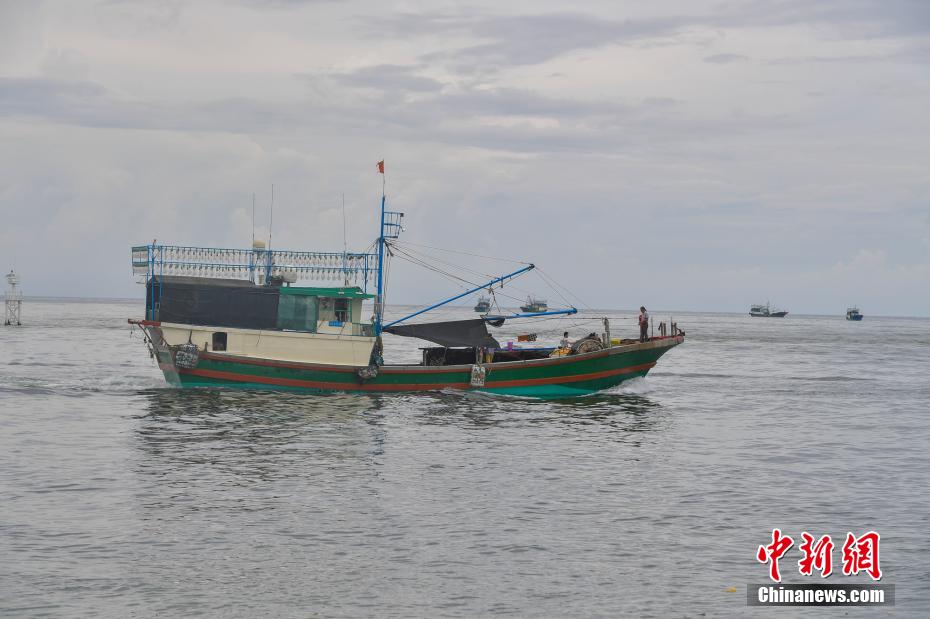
[(685, 154)]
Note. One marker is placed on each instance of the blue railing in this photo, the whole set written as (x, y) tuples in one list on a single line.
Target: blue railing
[(257, 265), (393, 224)]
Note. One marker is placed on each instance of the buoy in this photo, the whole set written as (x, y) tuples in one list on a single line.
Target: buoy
[(731, 589), (14, 300)]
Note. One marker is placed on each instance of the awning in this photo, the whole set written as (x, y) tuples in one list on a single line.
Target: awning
[(471, 333), (338, 293)]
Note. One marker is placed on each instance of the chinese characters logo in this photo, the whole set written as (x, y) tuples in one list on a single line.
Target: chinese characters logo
[(860, 554)]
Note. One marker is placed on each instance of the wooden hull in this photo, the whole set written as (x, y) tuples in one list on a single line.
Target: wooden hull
[(568, 376)]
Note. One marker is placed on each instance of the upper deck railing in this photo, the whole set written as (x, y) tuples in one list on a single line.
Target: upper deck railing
[(256, 265)]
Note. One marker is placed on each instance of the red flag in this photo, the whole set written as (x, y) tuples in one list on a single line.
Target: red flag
[(381, 166)]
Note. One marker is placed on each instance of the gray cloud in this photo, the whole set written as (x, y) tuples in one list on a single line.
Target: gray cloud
[(517, 120), (536, 38), (849, 18), (124, 18), (907, 53), (520, 39), (284, 4), (388, 77), (725, 58), (64, 101)]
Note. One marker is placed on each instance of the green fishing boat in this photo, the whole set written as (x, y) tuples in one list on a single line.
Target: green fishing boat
[(234, 318)]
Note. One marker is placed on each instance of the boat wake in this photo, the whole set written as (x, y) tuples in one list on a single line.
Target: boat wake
[(634, 386), (80, 386)]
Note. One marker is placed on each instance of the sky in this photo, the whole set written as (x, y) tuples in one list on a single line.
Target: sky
[(682, 154)]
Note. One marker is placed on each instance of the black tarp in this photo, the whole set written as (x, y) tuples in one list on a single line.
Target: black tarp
[(218, 303), (451, 333), (440, 355)]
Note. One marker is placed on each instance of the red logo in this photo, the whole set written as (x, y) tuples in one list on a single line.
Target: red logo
[(773, 552), (860, 554), (817, 556)]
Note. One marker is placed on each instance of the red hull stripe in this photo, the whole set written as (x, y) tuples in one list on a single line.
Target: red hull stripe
[(296, 365), (306, 384), (551, 380)]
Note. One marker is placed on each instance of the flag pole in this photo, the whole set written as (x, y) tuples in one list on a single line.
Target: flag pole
[(379, 299)]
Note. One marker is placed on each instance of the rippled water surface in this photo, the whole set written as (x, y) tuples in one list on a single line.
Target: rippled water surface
[(120, 497)]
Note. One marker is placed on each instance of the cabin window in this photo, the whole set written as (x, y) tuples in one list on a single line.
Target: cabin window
[(219, 341), (297, 313), (342, 310)]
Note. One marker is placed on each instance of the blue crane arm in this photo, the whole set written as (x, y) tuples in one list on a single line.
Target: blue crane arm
[(497, 280), (571, 310)]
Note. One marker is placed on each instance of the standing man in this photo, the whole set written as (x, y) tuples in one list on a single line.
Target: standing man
[(565, 343), (643, 324)]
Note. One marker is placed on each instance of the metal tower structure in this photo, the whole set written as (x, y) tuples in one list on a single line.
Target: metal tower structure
[(14, 300)]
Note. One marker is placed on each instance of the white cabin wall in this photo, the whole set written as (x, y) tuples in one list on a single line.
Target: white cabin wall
[(330, 348)]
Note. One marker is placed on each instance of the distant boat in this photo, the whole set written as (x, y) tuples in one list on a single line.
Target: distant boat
[(767, 311), (853, 314), (483, 305), (534, 305)]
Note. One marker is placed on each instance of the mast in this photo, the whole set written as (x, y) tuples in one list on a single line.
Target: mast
[(379, 297), (391, 227)]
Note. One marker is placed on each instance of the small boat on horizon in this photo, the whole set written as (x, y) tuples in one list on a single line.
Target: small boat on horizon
[(853, 313), (534, 305), (483, 305), (765, 310)]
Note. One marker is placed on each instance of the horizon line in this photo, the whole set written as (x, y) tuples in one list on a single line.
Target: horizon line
[(613, 309)]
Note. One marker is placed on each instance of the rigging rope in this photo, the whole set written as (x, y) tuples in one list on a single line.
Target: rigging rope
[(420, 262), (425, 260), (551, 285), (424, 256), (387, 277), (554, 283), (465, 253), (415, 260), (405, 254)]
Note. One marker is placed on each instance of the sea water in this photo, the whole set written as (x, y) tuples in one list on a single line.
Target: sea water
[(120, 497)]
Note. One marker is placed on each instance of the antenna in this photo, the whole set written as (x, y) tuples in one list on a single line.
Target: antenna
[(253, 220), (345, 242), (271, 222)]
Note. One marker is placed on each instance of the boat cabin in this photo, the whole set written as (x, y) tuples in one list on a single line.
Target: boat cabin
[(244, 305)]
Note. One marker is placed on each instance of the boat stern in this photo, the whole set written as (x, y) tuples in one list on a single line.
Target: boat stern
[(159, 350)]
